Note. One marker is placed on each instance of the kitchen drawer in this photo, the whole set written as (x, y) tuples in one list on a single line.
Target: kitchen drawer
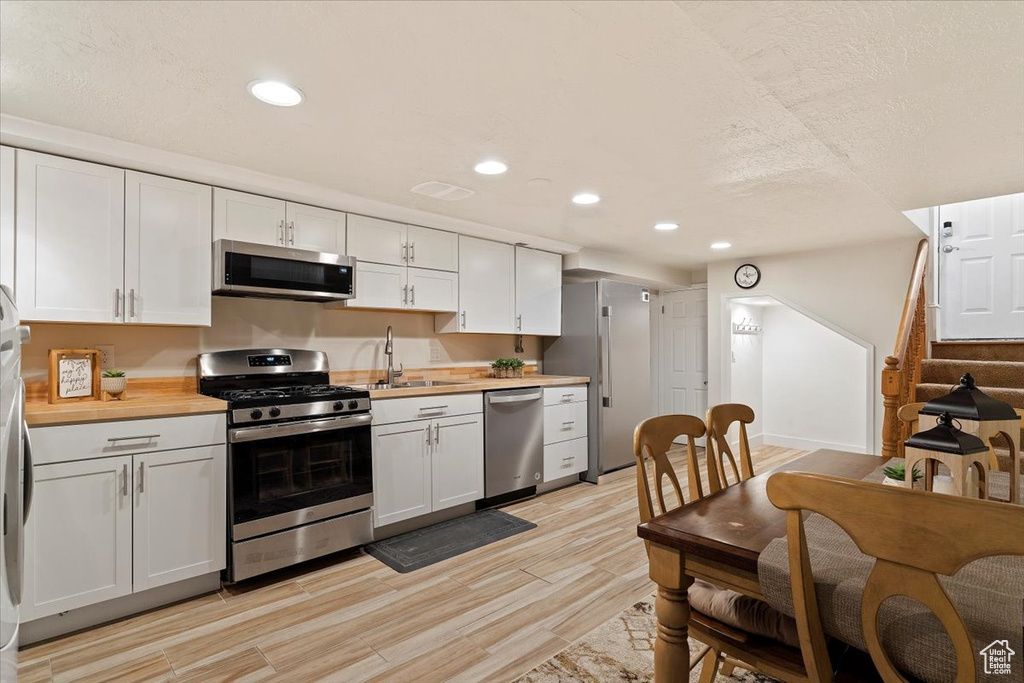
[(555, 395), (103, 439), (389, 410), (564, 422), (565, 458)]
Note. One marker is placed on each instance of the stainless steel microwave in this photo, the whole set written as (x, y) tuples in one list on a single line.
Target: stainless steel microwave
[(274, 272)]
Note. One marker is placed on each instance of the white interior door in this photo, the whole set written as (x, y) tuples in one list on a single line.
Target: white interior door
[(981, 268), (684, 353)]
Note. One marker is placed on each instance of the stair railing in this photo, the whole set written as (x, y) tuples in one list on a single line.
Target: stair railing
[(902, 370)]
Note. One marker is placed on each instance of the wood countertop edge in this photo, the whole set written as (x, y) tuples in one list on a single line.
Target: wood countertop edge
[(473, 386)]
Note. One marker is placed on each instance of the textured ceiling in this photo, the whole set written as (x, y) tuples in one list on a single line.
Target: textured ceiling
[(778, 126)]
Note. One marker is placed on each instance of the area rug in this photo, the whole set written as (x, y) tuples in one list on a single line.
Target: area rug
[(424, 547), (620, 651)]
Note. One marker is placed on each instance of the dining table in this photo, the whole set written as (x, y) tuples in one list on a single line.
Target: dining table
[(719, 539)]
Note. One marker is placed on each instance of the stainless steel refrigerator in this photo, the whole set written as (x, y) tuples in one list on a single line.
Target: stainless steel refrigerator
[(606, 335)]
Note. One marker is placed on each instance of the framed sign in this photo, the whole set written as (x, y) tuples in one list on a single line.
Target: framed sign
[(74, 375)]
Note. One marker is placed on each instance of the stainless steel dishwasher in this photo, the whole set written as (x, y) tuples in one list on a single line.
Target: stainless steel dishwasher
[(513, 440)]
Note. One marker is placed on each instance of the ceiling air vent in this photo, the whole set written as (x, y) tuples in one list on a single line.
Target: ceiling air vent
[(445, 191)]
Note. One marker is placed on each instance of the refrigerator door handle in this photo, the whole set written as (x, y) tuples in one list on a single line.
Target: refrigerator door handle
[(606, 358)]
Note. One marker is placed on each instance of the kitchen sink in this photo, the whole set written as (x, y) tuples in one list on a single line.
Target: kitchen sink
[(412, 385)]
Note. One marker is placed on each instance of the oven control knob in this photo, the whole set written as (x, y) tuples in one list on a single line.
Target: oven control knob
[(256, 414), (352, 405), (339, 405), (275, 412)]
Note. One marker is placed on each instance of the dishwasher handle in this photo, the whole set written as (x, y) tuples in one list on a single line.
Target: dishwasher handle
[(515, 398)]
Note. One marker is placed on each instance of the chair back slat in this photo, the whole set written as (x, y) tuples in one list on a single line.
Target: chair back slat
[(720, 419), (652, 440), (913, 536)]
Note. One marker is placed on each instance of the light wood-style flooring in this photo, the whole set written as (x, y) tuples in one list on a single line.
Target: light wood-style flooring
[(488, 615)]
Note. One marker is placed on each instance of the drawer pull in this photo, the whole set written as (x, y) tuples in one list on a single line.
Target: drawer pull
[(566, 398), (568, 424), (115, 439), (430, 409)]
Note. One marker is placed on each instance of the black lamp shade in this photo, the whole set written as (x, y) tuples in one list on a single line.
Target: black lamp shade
[(968, 402), (946, 438)]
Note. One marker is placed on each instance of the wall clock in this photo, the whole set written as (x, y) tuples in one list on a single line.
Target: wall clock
[(747, 276)]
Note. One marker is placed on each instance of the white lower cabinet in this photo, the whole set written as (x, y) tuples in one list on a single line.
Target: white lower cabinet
[(565, 458), (180, 515), (78, 537), (566, 447), (105, 526), (457, 464), (426, 465), (401, 471)]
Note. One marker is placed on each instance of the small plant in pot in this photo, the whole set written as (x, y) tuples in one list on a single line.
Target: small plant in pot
[(505, 368), (896, 474), (114, 382)]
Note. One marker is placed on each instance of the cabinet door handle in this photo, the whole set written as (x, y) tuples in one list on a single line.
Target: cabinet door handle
[(405, 252), (280, 231), (291, 227), (405, 295), (463, 320), (519, 322), (117, 303), (412, 252), (124, 480), (412, 295), (142, 477), (131, 303), (428, 435)]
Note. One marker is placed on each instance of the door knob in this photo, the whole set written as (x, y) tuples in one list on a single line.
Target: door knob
[(949, 248)]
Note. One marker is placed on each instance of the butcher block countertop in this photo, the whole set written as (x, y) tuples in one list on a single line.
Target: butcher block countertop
[(169, 397), (463, 386), (162, 397)]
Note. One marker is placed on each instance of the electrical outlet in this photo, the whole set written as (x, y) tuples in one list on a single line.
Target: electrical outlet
[(106, 355), (435, 351)]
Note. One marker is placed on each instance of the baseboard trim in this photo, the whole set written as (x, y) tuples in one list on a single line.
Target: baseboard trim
[(754, 441), (809, 444)]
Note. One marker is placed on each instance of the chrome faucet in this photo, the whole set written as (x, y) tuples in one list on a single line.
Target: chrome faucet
[(389, 351)]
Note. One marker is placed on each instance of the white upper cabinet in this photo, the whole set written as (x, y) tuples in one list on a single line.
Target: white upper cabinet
[(538, 292), (432, 290), (7, 217), (378, 286), (70, 240), (435, 249), (316, 229), (248, 217), (377, 240), (167, 251), (487, 282)]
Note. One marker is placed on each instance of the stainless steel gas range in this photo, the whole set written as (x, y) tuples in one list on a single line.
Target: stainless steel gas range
[(300, 482)]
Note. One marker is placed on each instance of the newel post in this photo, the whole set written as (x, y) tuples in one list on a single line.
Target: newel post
[(891, 401)]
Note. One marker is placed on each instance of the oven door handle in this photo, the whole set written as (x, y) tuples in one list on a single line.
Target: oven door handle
[(293, 428)]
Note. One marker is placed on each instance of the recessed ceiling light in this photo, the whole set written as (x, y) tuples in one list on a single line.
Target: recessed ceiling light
[(490, 167), (720, 245), (275, 92), (585, 198), (666, 226)]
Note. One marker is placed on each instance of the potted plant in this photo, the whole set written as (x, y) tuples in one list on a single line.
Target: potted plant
[(505, 368), (114, 382), (896, 474)]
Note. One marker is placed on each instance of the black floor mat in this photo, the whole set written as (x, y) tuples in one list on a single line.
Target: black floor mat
[(424, 547)]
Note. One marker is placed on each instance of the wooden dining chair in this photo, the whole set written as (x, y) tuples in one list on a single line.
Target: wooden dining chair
[(719, 419), (726, 647), (913, 536)]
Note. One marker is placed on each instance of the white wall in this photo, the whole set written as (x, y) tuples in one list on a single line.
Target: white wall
[(746, 376), (814, 384), (859, 288), (353, 340)]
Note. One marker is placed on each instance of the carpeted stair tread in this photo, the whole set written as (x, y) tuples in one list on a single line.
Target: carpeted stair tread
[(986, 373), (1012, 351)]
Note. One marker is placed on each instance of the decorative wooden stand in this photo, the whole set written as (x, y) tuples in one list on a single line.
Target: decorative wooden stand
[(986, 431), (959, 466)]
